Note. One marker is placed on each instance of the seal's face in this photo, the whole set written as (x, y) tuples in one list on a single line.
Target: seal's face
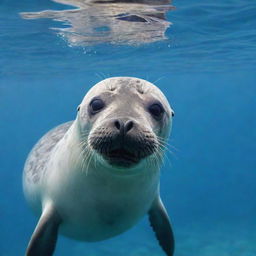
[(126, 119)]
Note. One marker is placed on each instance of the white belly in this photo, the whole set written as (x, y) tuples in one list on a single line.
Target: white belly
[(93, 219), (99, 205)]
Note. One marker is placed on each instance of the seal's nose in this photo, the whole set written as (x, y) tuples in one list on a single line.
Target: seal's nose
[(123, 127)]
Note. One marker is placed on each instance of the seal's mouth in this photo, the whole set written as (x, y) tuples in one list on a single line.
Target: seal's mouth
[(123, 150), (121, 157)]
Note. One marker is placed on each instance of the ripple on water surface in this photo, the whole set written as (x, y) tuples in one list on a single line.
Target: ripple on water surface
[(116, 22)]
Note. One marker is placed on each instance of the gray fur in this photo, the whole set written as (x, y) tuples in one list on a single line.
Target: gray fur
[(38, 157)]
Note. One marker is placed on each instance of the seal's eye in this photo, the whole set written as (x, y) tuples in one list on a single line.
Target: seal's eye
[(96, 105), (156, 110)]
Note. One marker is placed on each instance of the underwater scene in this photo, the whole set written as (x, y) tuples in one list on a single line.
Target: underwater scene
[(202, 56)]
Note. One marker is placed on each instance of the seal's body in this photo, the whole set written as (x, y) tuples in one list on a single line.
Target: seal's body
[(95, 177)]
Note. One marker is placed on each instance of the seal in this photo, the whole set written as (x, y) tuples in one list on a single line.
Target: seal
[(93, 178)]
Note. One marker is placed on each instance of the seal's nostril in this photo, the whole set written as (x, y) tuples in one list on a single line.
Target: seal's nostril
[(128, 126), (123, 127), (117, 124)]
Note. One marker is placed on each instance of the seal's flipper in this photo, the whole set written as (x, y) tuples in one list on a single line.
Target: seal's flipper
[(44, 238), (160, 223)]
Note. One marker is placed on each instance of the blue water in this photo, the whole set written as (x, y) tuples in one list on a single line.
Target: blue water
[(206, 67)]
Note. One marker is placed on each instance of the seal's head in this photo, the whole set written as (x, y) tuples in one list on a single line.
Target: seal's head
[(125, 120)]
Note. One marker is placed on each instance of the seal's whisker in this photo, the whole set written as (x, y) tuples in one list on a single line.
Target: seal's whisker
[(163, 146), (99, 75), (158, 159), (85, 162), (93, 155), (85, 155), (99, 141), (86, 159), (157, 80), (154, 161), (165, 156), (161, 156), (90, 159), (82, 143), (140, 138), (168, 152), (160, 139)]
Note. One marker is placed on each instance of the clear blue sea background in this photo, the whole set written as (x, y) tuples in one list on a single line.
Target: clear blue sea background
[(206, 68)]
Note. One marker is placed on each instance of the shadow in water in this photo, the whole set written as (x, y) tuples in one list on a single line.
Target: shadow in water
[(131, 22)]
